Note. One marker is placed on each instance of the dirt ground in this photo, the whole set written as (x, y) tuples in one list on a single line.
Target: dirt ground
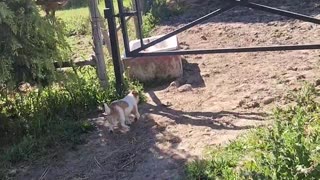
[(229, 94)]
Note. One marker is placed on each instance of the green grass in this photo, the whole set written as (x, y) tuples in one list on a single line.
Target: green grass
[(37, 124), (53, 118), (77, 21), (290, 149)]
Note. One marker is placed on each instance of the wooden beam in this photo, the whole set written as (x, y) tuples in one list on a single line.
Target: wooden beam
[(90, 62)]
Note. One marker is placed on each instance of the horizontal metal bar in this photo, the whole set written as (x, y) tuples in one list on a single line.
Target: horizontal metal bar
[(229, 50), (193, 23), (279, 12)]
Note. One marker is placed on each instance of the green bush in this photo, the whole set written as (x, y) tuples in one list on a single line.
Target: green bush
[(149, 23), (157, 11), (160, 10), (29, 43), (30, 124), (290, 149), (78, 25)]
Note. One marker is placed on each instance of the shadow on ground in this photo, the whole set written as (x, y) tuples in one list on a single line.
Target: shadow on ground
[(208, 119), (191, 75), (247, 15)]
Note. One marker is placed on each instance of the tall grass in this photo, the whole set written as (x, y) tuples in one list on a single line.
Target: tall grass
[(31, 124), (55, 116), (77, 17), (290, 149), (41, 121)]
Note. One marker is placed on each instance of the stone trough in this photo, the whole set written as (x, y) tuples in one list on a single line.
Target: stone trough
[(148, 69)]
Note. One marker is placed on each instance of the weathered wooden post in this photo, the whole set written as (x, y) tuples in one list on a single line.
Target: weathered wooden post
[(135, 18), (137, 5), (105, 34), (97, 40)]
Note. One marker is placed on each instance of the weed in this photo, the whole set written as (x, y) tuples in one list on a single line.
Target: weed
[(156, 12), (77, 21), (288, 150), (53, 116), (149, 23)]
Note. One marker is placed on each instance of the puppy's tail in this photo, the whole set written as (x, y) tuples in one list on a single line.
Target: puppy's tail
[(107, 110)]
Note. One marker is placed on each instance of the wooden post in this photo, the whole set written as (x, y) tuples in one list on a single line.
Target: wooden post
[(135, 18), (97, 40), (105, 33)]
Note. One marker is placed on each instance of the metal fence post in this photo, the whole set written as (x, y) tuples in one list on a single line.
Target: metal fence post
[(117, 64)]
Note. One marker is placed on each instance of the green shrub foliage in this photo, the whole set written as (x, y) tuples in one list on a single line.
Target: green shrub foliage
[(29, 43)]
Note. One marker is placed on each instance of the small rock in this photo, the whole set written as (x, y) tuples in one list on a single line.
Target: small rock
[(204, 38), (292, 68), (176, 157), (252, 105), (174, 140), (296, 88), (167, 104), (241, 103), (186, 47), (273, 76), (268, 100), (215, 72), (285, 81), (183, 43), (317, 83), (205, 75), (305, 68), (184, 88), (12, 173), (301, 77), (174, 84)]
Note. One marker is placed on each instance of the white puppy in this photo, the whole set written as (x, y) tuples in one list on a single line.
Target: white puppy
[(120, 110)]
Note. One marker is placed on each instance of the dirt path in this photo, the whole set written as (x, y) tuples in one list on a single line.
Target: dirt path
[(230, 94)]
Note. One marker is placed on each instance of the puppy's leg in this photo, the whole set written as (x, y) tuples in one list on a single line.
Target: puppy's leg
[(111, 129), (109, 122), (122, 120), (128, 120), (135, 111)]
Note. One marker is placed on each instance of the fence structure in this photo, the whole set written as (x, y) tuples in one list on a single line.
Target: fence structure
[(139, 52)]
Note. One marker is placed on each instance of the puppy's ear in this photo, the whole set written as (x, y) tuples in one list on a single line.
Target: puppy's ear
[(135, 93)]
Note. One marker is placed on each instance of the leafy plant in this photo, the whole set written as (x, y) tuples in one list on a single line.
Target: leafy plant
[(53, 116), (287, 150), (29, 43), (157, 11)]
